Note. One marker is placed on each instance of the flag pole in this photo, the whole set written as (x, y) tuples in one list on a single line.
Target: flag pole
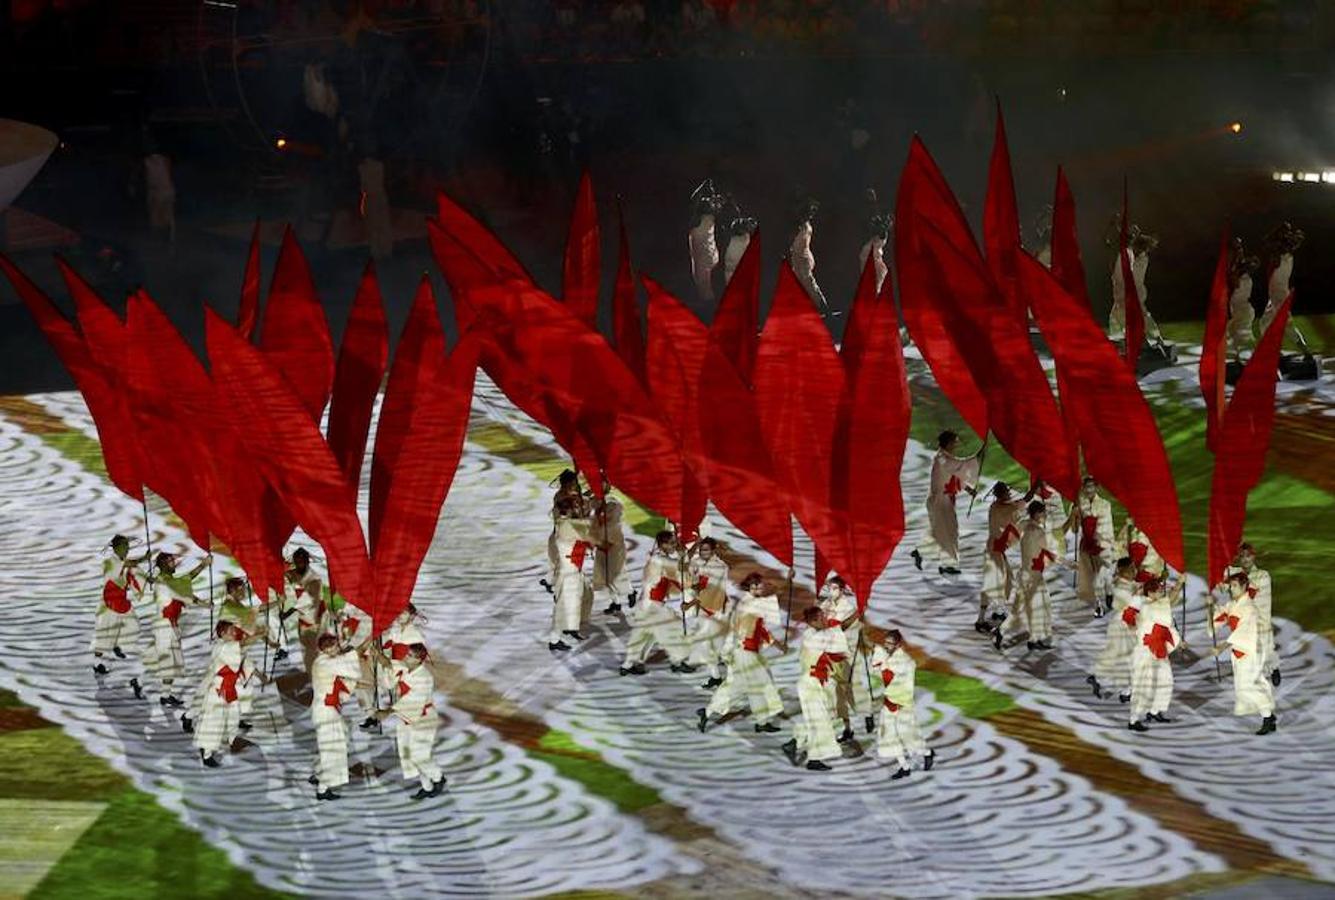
[(788, 614), (982, 458)]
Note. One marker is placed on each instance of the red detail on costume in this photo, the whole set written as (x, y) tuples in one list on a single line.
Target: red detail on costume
[(402, 688), (1045, 492), (1144, 576), (227, 690), (892, 706), (953, 486), (1252, 592), (1089, 536), (578, 552), (1159, 640), (1137, 550), (821, 670), (1129, 616), (760, 636), (1238, 654), (350, 624), (658, 593), (397, 651), (172, 611), (1041, 561), (335, 697), (701, 582), (1004, 539), (115, 598), (1232, 623), (887, 676)]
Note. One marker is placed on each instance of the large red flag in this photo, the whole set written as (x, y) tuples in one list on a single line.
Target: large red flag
[(1135, 317), (1067, 266), (1123, 452), (361, 367), (285, 444), (106, 404), (1241, 446), (295, 333), (627, 330), (1021, 408), (248, 311), (429, 427), (735, 328), (924, 195), (1212, 347), (581, 272), (1001, 222)]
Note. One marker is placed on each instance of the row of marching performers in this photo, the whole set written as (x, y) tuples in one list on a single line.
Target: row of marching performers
[(346, 667), (1120, 576), (689, 606)]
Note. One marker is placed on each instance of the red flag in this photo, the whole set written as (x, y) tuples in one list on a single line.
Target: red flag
[(1212, 347), (422, 429), (627, 330), (361, 367), (106, 404), (1067, 267), (1001, 222), (1135, 318), (1241, 445), (924, 195), (285, 444), (1124, 452), (1021, 408), (860, 318), (471, 233), (248, 312), (295, 333), (736, 325), (581, 272)]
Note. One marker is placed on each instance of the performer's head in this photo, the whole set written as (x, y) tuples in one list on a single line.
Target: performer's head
[(120, 545), (568, 480), (1037, 511), (165, 562), (229, 631), (1001, 490), (301, 559), (1089, 487), (813, 617), (566, 507), (893, 640), (417, 654), (1126, 568), (666, 541), (1142, 243), (947, 440), (1246, 557), (1238, 583), (327, 644), (836, 585), (1156, 586), (754, 583), (743, 226), (235, 587), (706, 548)]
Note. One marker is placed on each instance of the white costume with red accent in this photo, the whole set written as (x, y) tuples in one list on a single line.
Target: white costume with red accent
[(1033, 608), (1135, 544), (897, 736), (875, 246), (732, 255), (116, 624), (853, 692), (951, 475), (1253, 694), (171, 595), (1140, 265), (609, 563), (707, 583), (219, 701), (415, 710), (1260, 590), (1093, 524), (820, 652), (1003, 533), (1113, 666), (655, 621), (1055, 511), (334, 679), (704, 256), (574, 548), (1151, 671), (803, 262), (749, 682), (398, 636)]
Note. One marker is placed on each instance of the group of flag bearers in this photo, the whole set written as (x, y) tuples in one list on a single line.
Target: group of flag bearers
[(348, 669)]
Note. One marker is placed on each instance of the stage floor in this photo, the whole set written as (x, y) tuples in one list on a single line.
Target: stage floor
[(565, 778)]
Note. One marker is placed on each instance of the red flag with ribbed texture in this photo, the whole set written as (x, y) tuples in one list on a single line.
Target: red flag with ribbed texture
[(361, 367), (1135, 317), (736, 325), (1067, 266), (1242, 444), (164, 372), (1001, 222), (799, 381), (924, 195), (1212, 347), (581, 272), (410, 488), (1021, 408), (627, 329), (860, 317), (295, 333), (248, 310), (111, 415), (1123, 452), (285, 444)]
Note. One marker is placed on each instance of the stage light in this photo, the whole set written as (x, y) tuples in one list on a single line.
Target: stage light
[(1282, 176), (1236, 128), (281, 143), (1328, 177), (1311, 177)]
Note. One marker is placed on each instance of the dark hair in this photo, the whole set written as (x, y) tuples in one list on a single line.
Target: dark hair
[(753, 578), (418, 650), (894, 635), (664, 535), (565, 506), (302, 552), (223, 626), (945, 437), (118, 539), (1245, 547), (326, 641), (234, 581), (162, 559), (568, 477), (1035, 507), (1125, 562), (1001, 489), (1240, 578), (713, 544), (811, 614)]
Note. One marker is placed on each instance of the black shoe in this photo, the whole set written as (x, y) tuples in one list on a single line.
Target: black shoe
[(120, 654), (998, 617), (1031, 645), (1124, 697), (767, 728), (1276, 678), (1098, 611), (613, 609), (790, 750), (1268, 725), (929, 760), (170, 701), (631, 598), (370, 723), (244, 725), (948, 570), (438, 787), (187, 725), (847, 735), (138, 691), (1158, 717), (208, 760), (101, 669), (637, 669), (917, 558), (996, 638), (574, 634), (422, 794), (982, 627), (327, 795), (558, 645), (1138, 726), (546, 585), (280, 655), (1044, 645), (712, 683), (704, 718), (1107, 602), (314, 779), (870, 722), (900, 773), (1094, 683), (685, 668), (816, 765)]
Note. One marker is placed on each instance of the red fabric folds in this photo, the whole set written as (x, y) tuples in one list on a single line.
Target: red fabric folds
[(580, 274), (1241, 446), (1067, 266), (1212, 347), (107, 406), (361, 367), (248, 311), (429, 427), (1135, 318), (736, 325), (1124, 453), (627, 329), (282, 440), (925, 196), (295, 333), (1001, 222)]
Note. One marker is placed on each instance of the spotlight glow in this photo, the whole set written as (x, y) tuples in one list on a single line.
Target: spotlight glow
[(281, 143), (1236, 128)]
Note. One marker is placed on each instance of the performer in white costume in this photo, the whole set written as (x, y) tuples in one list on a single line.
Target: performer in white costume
[(1134, 543), (821, 649), (1280, 246), (898, 737), (568, 488), (748, 682), (1003, 533), (951, 474), (1253, 694), (1057, 514), (1140, 245), (610, 574), (707, 605), (1258, 585), (1032, 610), (853, 692), (740, 232), (1241, 313), (655, 623), (574, 547), (701, 241), (413, 687), (803, 260), (878, 233), (1091, 520), (1112, 669), (301, 606), (1151, 670), (116, 626), (401, 634), (171, 595), (334, 677), (219, 715)]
